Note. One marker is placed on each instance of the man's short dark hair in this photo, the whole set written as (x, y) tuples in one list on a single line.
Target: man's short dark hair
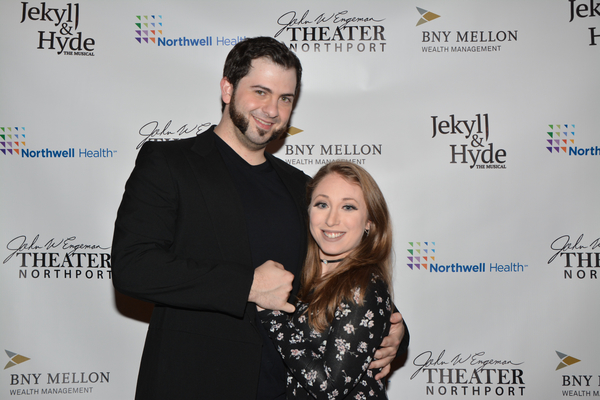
[(239, 59)]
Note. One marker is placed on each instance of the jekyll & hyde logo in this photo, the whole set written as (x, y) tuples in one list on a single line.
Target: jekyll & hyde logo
[(331, 32), (583, 256), (586, 9), (63, 36), (478, 152)]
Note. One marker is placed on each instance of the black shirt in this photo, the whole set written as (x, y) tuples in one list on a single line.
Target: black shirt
[(275, 229)]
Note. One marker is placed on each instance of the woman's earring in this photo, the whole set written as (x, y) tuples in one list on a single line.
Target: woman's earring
[(367, 232)]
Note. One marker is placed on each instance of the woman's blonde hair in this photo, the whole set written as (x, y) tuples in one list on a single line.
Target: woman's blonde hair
[(372, 255)]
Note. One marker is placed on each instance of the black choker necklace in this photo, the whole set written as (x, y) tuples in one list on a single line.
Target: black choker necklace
[(331, 261)]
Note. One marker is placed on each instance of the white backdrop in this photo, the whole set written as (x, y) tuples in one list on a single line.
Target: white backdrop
[(450, 105)]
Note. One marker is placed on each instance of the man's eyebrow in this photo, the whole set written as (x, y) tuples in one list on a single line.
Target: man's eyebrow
[(268, 90)]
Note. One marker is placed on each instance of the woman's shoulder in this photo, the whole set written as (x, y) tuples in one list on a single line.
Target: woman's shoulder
[(376, 291), (377, 284)]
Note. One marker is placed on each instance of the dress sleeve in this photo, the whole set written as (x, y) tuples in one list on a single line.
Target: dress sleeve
[(332, 367)]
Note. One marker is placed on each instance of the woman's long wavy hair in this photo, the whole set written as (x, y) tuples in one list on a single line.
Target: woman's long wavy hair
[(373, 255)]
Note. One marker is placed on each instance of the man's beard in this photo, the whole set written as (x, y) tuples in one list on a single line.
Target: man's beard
[(242, 123)]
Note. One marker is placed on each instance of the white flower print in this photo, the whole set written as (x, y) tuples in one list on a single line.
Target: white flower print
[(349, 328), (323, 386), (362, 347), (356, 295), (334, 363), (310, 377), (341, 346), (297, 338), (296, 353)]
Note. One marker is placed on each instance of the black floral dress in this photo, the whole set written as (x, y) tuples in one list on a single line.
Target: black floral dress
[(333, 364)]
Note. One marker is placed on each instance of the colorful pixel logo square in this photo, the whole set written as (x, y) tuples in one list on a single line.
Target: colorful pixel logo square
[(12, 140), (422, 255), (562, 137), (148, 28)]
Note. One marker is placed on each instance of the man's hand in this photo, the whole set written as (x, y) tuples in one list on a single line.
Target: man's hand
[(271, 287), (389, 347)]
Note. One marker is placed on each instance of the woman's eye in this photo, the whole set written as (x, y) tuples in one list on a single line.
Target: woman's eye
[(349, 207), (320, 205)]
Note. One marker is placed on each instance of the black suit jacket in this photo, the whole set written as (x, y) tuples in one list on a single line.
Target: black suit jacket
[(181, 242)]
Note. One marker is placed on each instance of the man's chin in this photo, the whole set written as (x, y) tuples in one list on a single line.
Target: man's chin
[(266, 137)]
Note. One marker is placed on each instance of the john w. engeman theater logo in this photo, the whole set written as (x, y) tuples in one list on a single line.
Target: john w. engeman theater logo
[(342, 31), (66, 258)]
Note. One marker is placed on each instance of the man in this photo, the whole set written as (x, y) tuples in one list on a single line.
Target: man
[(212, 226)]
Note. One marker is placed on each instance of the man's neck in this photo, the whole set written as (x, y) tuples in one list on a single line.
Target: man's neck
[(226, 132)]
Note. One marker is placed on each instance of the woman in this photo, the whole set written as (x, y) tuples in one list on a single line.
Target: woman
[(344, 303)]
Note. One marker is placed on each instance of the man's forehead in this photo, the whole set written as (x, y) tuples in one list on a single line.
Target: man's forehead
[(262, 64)]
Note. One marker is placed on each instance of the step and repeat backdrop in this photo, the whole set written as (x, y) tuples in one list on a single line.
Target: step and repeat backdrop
[(477, 118)]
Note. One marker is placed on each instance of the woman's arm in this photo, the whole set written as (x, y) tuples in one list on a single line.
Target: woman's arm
[(337, 364)]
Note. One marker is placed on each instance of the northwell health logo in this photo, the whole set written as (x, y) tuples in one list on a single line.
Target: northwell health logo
[(560, 139), (12, 143), (422, 256), (149, 30), (148, 27), (12, 140)]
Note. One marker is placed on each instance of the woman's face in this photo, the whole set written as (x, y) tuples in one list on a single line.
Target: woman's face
[(338, 216)]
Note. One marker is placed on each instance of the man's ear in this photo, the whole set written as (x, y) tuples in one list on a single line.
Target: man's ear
[(226, 90)]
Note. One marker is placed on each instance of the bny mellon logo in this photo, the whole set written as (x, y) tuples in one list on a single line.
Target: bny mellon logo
[(15, 359), (293, 131), (426, 16), (565, 360)]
